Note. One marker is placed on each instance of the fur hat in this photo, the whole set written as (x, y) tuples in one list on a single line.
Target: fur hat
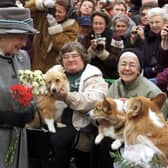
[(14, 20), (7, 3)]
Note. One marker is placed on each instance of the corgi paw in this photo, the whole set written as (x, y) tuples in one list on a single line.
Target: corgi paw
[(99, 138), (116, 144), (53, 130), (60, 125)]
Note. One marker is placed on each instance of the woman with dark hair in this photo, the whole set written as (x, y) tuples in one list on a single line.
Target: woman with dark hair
[(98, 43)]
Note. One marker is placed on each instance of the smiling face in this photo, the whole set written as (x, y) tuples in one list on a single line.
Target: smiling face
[(156, 23), (128, 67), (99, 24), (60, 13), (72, 62), (11, 44), (121, 28)]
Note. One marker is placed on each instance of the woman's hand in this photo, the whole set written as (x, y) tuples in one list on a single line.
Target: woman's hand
[(164, 36)]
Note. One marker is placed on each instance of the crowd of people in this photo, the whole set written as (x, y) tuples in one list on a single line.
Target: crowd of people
[(95, 41)]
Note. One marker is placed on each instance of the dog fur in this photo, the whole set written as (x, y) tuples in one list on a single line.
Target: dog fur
[(143, 117), (109, 110), (50, 109)]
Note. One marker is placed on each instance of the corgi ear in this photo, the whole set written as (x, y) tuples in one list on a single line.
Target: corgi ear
[(106, 105), (135, 108), (159, 99)]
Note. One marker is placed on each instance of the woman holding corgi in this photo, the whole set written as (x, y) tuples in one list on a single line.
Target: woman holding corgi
[(130, 84), (87, 86)]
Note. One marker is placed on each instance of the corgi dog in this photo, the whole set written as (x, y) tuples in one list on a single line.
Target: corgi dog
[(144, 118), (49, 108), (110, 111)]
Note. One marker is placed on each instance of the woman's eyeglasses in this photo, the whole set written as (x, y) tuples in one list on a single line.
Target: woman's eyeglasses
[(67, 56)]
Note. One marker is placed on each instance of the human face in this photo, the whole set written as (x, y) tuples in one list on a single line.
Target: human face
[(72, 62), (121, 28), (60, 13), (86, 8), (144, 17), (11, 44), (156, 24), (128, 67), (99, 24), (118, 8)]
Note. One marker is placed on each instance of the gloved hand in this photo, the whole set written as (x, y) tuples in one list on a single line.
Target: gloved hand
[(19, 119), (51, 20), (49, 3)]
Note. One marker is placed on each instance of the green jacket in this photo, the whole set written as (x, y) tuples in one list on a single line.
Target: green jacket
[(140, 87)]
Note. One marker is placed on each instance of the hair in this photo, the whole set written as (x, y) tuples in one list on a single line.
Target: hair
[(120, 2), (148, 5), (93, 2), (62, 3), (103, 15), (71, 46), (120, 17), (158, 11)]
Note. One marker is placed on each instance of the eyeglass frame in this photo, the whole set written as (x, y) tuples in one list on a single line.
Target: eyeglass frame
[(70, 56)]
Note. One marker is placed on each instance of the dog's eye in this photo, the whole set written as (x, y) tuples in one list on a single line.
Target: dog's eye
[(57, 80)]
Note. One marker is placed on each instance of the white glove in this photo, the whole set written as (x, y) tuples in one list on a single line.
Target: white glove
[(51, 20), (49, 3)]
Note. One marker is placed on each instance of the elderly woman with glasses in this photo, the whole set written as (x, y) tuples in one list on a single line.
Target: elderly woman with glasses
[(130, 84), (15, 26), (87, 86)]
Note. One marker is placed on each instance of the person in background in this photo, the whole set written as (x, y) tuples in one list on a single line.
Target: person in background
[(157, 17), (105, 5), (130, 84), (87, 86), (162, 77), (55, 30), (136, 37), (98, 44), (86, 8), (120, 7), (144, 12), (133, 11), (85, 26), (15, 26)]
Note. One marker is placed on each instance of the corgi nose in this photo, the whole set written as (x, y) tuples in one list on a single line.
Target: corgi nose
[(54, 90)]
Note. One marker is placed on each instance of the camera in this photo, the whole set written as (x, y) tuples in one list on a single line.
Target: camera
[(100, 46)]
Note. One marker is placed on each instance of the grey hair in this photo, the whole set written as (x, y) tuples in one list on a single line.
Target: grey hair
[(158, 11), (120, 17), (74, 46)]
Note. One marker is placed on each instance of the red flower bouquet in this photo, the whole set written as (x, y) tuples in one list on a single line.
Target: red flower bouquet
[(21, 99)]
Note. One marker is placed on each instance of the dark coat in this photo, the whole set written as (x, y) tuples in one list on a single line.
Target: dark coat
[(151, 53), (109, 65)]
